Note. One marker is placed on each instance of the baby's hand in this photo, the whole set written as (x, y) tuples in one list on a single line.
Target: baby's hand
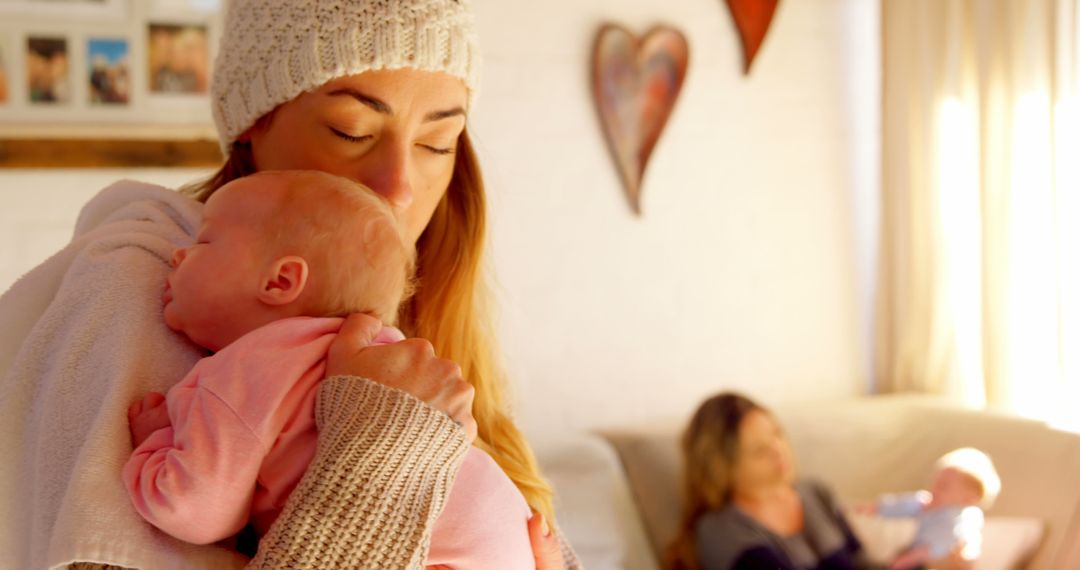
[(913, 558), (147, 416)]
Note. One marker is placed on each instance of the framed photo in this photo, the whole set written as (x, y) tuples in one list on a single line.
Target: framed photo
[(3, 70), (108, 71), (48, 70), (178, 58), (87, 75)]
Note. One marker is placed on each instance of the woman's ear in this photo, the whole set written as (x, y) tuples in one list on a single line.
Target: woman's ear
[(284, 281)]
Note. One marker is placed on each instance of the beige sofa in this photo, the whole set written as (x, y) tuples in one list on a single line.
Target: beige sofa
[(620, 514)]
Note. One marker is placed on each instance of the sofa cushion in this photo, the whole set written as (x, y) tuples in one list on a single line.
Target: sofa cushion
[(1008, 542), (595, 511), (652, 460)]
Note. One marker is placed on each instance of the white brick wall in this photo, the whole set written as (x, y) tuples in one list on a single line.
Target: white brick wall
[(752, 266), (38, 209)]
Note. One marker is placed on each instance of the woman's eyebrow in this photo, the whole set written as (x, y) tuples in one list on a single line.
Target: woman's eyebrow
[(383, 108), (440, 115), (375, 104)]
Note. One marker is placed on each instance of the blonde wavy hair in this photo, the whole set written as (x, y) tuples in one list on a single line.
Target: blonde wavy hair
[(450, 308), (710, 448)]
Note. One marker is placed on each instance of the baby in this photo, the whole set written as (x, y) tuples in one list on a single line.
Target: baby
[(951, 512), (279, 259)]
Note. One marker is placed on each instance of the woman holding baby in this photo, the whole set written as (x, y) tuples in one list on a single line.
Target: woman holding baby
[(745, 508), (375, 91)]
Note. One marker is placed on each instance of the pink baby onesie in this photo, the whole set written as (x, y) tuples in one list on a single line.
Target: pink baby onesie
[(243, 431)]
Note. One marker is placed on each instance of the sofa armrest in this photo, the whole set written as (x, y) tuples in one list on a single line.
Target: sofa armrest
[(593, 502)]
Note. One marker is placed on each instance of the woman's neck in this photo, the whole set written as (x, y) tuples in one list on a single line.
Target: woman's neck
[(763, 494)]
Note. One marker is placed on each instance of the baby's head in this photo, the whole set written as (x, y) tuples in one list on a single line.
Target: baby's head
[(965, 477), (282, 244)]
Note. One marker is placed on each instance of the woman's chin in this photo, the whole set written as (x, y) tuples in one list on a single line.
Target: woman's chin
[(787, 474)]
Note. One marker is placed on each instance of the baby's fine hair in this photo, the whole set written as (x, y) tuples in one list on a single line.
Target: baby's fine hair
[(977, 465), (357, 254)]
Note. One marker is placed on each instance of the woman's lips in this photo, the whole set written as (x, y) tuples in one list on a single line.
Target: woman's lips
[(166, 295)]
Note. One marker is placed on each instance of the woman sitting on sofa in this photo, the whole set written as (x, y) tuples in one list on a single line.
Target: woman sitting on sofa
[(744, 508)]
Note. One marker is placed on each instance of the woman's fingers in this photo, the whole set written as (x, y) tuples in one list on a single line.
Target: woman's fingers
[(545, 545), (410, 365), (460, 407), (357, 332), (959, 558)]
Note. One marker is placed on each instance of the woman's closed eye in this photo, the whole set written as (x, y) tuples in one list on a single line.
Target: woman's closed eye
[(437, 149), (433, 148), (351, 138)]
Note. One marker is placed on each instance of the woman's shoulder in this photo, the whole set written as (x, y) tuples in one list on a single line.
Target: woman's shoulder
[(816, 490), (725, 519)]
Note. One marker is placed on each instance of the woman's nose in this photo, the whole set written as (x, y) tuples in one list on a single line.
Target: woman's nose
[(388, 177), (395, 189), (178, 256)]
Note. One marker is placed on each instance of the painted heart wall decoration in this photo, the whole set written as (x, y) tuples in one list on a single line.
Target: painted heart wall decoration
[(752, 19), (636, 82)]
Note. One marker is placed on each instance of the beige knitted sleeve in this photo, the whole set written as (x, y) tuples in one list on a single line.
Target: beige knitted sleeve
[(570, 558), (381, 475)]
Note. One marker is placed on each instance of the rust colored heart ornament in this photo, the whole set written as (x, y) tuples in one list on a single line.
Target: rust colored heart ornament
[(752, 18), (636, 83)]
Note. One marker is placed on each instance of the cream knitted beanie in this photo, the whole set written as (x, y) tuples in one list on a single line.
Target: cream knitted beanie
[(273, 50)]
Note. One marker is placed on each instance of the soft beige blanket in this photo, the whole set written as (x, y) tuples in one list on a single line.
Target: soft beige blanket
[(81, 337)]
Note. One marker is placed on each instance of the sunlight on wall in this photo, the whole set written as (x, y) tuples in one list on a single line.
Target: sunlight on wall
[(1042, 313), (1033, 281), (1067, 165), (960, 222)]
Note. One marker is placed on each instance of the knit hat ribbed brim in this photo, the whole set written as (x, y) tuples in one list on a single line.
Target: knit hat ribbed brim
[(273, 50)]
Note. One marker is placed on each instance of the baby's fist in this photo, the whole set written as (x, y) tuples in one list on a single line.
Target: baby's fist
[(147, 416)]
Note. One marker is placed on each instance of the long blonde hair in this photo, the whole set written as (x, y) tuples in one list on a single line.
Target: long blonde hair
[(450, 308), (710, 447)]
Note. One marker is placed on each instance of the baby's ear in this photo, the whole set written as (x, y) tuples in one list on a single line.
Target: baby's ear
[(284, 281)]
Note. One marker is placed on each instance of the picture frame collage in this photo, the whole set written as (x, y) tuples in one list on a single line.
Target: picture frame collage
[(107, 66)]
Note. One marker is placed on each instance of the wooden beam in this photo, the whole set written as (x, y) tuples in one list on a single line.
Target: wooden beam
[(108, 153)]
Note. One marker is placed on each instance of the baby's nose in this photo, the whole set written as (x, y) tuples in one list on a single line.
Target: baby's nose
[(178, 256)]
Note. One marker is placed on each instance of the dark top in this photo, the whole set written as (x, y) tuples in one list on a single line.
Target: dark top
[(730, 539)]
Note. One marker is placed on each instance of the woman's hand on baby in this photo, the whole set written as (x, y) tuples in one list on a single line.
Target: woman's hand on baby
[(547, 551), (410, 365), (958, 559), (147, 416)]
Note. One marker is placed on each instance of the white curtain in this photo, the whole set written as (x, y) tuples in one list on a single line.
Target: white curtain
[(981, 207)]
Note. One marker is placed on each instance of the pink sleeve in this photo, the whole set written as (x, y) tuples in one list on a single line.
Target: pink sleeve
[(195, 480), (485, 521)]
